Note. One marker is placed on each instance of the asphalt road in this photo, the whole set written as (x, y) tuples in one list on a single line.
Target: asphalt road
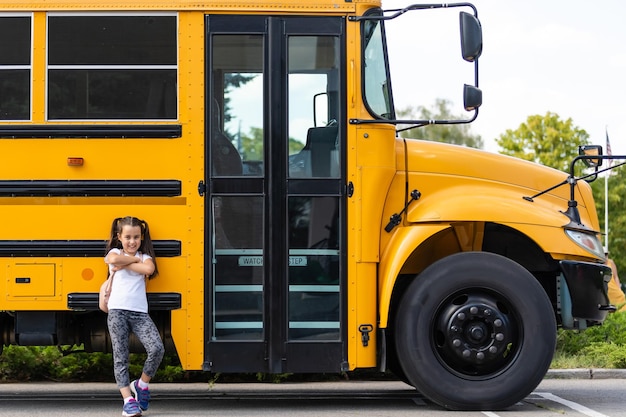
[(562, 393)]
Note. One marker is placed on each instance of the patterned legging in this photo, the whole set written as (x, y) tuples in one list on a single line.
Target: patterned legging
[(121, 323)]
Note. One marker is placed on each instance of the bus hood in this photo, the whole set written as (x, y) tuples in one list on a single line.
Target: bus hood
[(473, 173)]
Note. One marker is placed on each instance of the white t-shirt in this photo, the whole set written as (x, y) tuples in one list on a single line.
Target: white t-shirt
[(129, 287)]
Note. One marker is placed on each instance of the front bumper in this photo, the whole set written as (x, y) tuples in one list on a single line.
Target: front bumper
[(583, 294)]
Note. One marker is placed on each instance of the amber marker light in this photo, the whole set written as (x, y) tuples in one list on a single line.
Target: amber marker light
[(75, 161), (87, 274)]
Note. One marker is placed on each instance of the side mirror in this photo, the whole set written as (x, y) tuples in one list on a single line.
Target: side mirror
[(472, 97), (320, 109), (471, 37), (591, 150)]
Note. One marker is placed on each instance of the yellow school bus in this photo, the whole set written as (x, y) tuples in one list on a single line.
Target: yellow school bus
[(295, 231)]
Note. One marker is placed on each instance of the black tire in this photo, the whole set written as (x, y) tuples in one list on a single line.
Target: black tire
[(475, 331), (393, 364)]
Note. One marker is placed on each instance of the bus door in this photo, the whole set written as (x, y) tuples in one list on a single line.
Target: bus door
[(275, 205)]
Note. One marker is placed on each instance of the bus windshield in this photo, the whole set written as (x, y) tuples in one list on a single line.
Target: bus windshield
[(377, 83)]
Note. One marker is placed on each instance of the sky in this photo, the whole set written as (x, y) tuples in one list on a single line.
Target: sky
[(562, 56)]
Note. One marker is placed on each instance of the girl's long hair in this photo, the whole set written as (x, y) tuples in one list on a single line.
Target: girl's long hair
[(146, 242)]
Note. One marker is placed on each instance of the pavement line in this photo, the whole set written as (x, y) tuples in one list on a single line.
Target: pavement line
[(490, 414), (574, 406)]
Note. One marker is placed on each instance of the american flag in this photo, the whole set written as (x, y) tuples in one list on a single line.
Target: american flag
[(608, 148)]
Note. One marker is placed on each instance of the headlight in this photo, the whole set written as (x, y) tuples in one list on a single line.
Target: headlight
[(587, 241)]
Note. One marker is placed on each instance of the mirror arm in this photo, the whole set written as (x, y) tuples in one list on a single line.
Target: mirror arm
[(414, 123), (572, 205), (596, 172), (476, 73), (572, 180), (399, 12)]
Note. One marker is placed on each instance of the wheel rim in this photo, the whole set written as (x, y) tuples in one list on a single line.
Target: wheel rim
[(476, 334)]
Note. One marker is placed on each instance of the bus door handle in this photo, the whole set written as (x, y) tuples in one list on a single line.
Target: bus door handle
[(365, 330)]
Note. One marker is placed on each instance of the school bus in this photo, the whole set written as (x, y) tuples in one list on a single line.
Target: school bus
[(295, 231)]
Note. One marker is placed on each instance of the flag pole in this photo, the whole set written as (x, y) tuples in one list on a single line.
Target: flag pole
[(606, 193), (606, 212)]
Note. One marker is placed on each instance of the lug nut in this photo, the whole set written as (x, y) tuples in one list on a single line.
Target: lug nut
[(477, 333)]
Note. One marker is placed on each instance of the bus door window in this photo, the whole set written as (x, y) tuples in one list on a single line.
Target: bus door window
[(314, 284), (313, 218), (313, 107), (237, 152), (238, 115)]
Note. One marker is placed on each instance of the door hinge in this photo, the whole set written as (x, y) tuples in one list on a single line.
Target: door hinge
[(349, 189), (201, 188)]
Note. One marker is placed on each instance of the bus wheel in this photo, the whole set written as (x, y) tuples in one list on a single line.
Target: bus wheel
[(475, 331)]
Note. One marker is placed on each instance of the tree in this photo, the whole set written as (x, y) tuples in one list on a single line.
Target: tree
[(231, 81), (547, 140), (458, 134), (250, 145)]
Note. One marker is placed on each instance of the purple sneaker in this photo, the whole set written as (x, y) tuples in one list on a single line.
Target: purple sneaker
[(141, 395), (131, 409)]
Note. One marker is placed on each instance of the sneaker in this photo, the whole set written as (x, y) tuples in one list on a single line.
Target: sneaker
[(141, 395), (131, 409)]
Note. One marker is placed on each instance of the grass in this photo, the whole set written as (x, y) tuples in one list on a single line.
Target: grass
[(597, 347)]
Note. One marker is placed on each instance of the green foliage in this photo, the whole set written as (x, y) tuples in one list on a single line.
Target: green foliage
[(30, 363), (607, 355), (213, 379), (595, 355), (547, 140), (458, 134), (274, 378), (78, 366), (25, 363), (17, 363), (250, 146), (598, 347)]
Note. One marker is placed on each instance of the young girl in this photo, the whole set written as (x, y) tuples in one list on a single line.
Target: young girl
[(130, 255)]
